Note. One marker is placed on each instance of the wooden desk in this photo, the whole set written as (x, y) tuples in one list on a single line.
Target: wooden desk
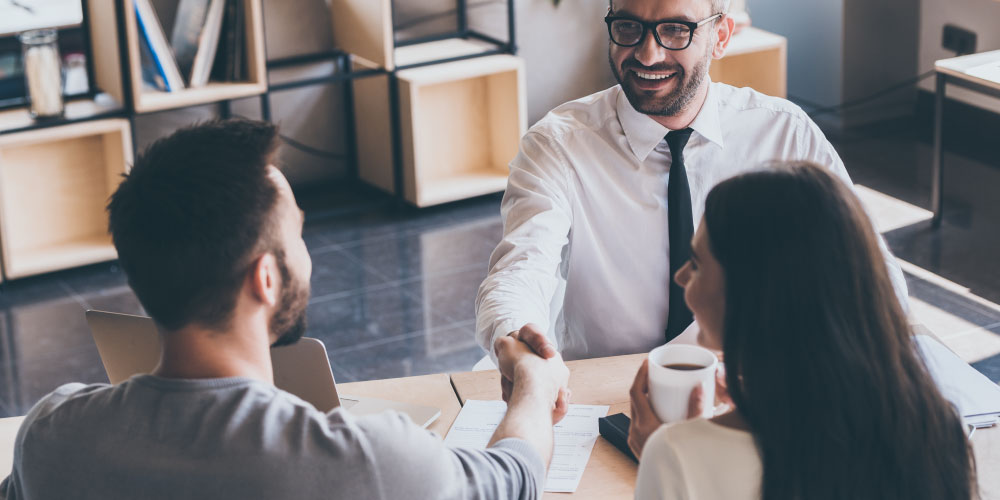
[(606, 381), (601, 381), (964, 72), (427, 390)]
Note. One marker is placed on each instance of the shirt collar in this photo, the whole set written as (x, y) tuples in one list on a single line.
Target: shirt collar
[(644, 133)]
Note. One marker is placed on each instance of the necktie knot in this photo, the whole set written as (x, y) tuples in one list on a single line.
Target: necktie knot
[(677, 139)]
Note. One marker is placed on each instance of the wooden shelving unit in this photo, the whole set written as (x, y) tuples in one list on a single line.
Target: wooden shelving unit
[(54, 185), (461, 124), (108, 54), (757, 59), (452, 105), (363, 28), (56, 175)]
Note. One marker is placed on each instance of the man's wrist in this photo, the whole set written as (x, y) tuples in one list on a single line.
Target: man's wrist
[(530, 382)]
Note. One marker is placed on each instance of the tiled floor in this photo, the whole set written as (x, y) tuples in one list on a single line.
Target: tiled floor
[(394, 288)]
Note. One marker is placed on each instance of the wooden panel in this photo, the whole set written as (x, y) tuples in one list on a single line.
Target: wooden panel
[(508, 108), (18, 118), (461, 125), (54, 186), (752, 39), (373, 129), (364, 28), (462, 185), (413, 135), (427, 390), (755, 58), (763, 71), (104, 47), (440, 50), (151, 101)]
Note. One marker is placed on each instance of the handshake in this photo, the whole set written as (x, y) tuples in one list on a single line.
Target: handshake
[(531, 368)]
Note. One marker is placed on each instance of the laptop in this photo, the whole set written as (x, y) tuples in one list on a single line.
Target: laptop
[(130, 345)]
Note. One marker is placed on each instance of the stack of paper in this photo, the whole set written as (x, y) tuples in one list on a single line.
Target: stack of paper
[(575, 436), (976, 397)]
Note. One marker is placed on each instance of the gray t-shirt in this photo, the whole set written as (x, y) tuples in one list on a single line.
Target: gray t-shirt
[(236, 438)]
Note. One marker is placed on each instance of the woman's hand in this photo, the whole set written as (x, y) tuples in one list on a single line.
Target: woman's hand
[(644, 419)]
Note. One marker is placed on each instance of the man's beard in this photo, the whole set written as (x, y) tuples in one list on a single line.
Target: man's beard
[(674, 102), (289, 320)]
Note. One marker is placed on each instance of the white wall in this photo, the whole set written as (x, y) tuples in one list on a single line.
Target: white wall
[(980, 16), (565, 50), (814, 29)]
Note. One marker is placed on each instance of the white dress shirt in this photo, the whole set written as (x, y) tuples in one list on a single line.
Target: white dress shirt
[(585, 249), (699, 460)]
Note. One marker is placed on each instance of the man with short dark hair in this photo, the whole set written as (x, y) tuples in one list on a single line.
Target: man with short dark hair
[(209, 234), (606, 191)]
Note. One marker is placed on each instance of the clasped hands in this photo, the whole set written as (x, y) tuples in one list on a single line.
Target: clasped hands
[(526, 359)]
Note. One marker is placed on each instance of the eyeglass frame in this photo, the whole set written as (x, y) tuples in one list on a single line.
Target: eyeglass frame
[(648, 26)]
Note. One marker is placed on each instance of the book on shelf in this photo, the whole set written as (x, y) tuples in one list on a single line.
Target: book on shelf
[(151, 75), (159, 51), (195, 37), (230, 60)]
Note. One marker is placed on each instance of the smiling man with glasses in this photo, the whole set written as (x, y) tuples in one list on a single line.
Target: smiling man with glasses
[(606, 191)]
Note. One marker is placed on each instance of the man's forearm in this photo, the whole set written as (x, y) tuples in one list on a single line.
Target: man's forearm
[(529, 417)]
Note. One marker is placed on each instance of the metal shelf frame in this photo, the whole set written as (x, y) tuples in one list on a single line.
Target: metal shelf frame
[(342, 73)]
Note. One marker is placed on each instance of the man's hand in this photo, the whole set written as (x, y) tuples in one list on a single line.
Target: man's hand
[(537, 341), (526, 371)]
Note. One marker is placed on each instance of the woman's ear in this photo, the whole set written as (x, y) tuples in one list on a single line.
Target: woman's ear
[(724, 33), (264, 280)]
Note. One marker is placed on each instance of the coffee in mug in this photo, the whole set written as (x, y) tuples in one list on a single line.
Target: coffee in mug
[(674, 371), (683, 366)]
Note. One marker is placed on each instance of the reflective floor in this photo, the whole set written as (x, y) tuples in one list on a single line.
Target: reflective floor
[(394, 288)]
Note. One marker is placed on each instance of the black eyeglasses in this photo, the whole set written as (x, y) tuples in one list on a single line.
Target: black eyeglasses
[(671, 35)]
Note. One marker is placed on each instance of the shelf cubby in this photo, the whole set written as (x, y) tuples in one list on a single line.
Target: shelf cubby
[(364, 29), (755, 58), (103, 15), (460, 121), (54, 185)]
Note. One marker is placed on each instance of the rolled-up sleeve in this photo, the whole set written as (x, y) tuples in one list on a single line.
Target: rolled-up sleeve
[(524, 268), (412, 462)]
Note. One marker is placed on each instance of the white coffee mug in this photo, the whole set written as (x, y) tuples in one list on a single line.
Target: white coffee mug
[(670, 388)]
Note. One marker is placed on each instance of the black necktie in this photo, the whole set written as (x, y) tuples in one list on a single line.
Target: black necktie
[(680, 224)]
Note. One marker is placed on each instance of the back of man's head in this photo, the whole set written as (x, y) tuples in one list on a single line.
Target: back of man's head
[(191, 215)]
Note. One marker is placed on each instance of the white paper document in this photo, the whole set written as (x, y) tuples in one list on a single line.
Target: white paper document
[(975, 396), (575, 436)]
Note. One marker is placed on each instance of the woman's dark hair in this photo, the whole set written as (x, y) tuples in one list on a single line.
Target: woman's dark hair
[(193, 211), (820, 358)]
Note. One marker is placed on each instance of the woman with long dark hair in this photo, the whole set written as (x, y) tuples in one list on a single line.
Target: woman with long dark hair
[(831, 399)]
